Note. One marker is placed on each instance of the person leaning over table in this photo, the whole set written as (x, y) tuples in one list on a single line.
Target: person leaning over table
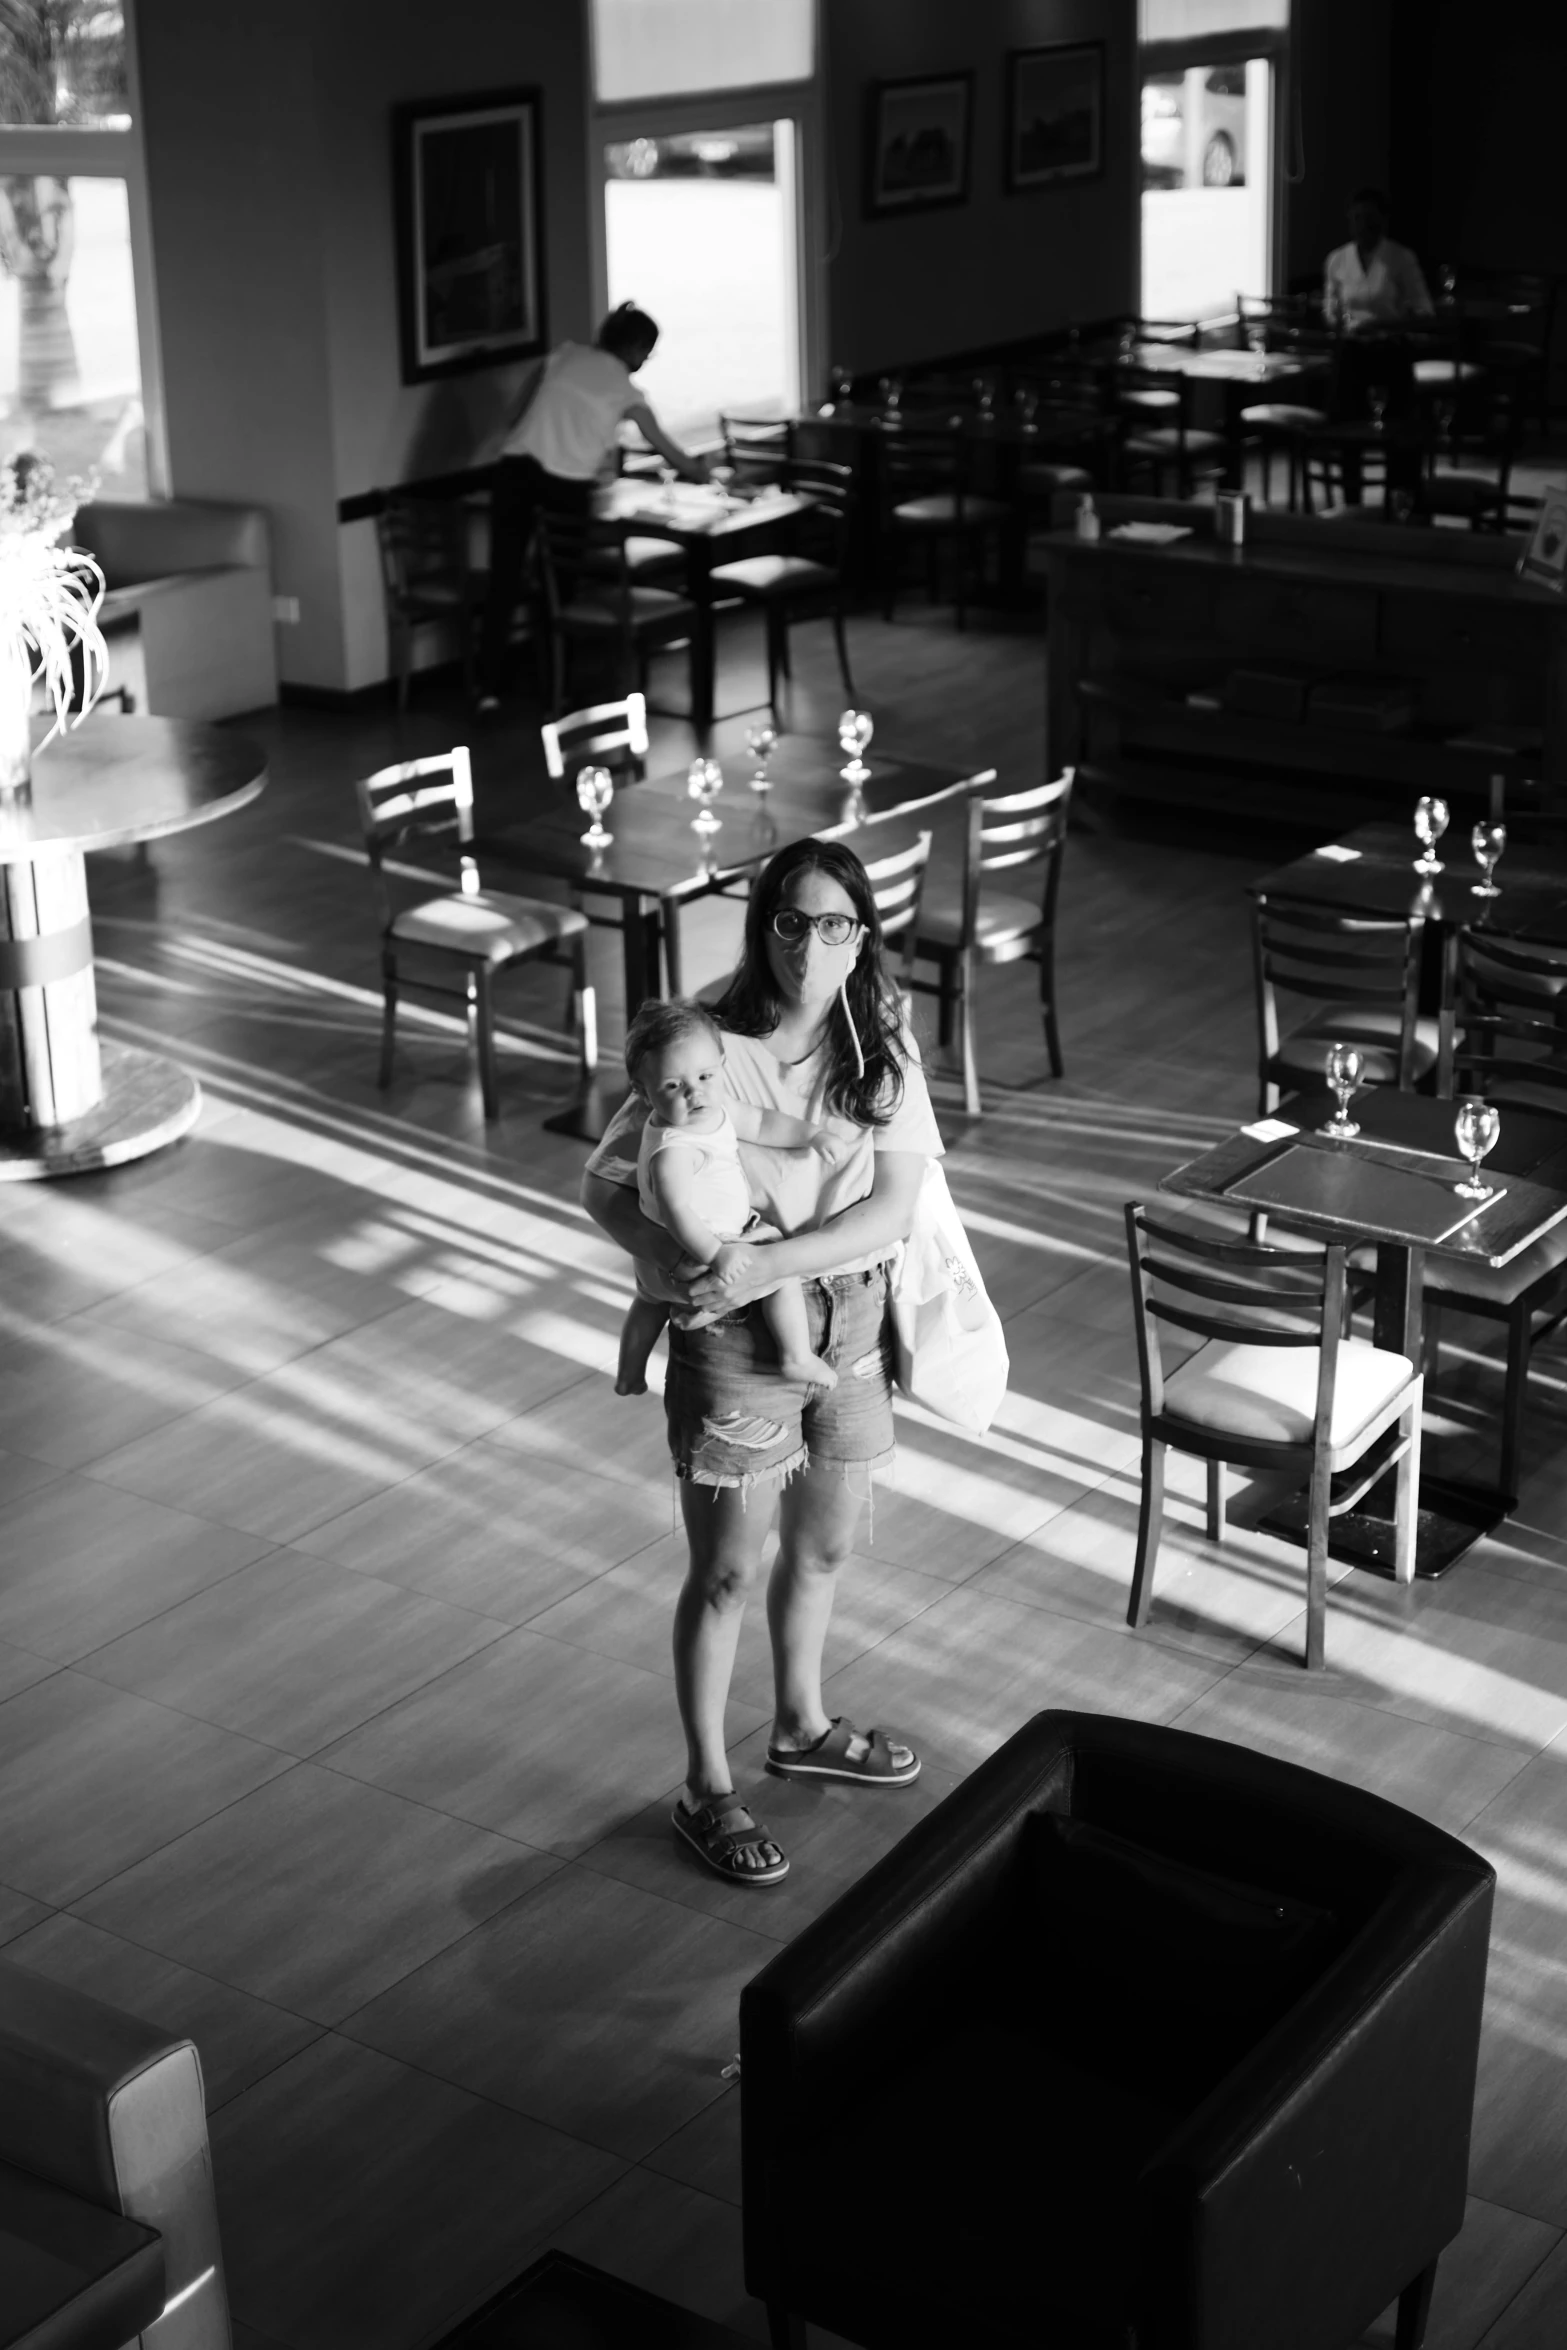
[(812, 1027), (1372, 289), (559, 442)]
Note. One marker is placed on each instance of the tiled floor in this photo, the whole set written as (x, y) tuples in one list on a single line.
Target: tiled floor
[(336, 1723)]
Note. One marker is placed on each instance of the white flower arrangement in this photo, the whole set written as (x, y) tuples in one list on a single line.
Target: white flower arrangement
[(49, 602)]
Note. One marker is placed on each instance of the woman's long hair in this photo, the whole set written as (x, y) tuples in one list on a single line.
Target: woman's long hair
[(865, 1059)]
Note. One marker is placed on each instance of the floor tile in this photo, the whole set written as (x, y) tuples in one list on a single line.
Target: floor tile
[(83, 1562), (485, 1529), (315, 1893), (1537, 2319), (1520, 2126), (590, 1428), (671, 2240), (1478, 2277), (705, 2154), (329, 2254), (19, 1913), (92, 1780), (589, 2004), (19, 1475), (239, 2039), (19, 1669), (72, 1394), (292, 1650), (500, 1741)]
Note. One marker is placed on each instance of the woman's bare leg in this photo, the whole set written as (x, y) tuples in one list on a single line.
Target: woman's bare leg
[(725, 1538), (818, 1518)]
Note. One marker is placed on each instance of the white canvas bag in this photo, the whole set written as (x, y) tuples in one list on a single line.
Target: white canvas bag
[(948, 1350)]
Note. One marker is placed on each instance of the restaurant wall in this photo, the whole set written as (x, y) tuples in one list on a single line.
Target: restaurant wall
[(270, 180), (998, 268), (1340, 139)]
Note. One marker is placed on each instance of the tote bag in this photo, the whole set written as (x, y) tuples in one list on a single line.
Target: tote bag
[(948, 1350)]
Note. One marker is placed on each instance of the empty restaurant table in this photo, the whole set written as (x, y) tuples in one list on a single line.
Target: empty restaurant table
[(657, 859), (1394, 1184), (1371, 871), (68, 1101)]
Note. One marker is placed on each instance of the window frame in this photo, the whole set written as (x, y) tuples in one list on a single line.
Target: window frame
[(70, 152)]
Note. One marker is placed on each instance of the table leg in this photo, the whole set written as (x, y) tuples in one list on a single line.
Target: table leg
[(588, 1117), (699, 566)]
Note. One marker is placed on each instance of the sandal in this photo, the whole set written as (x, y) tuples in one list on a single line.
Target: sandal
[(834, 1756), (720, 1831)]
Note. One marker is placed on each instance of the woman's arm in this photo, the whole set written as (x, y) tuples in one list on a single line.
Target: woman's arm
[(647, 424), (616, 1210), (742, 1270)]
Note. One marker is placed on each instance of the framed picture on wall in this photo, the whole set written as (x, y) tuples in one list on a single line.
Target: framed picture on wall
[(917, 144), (470, 252), (1055, 115)]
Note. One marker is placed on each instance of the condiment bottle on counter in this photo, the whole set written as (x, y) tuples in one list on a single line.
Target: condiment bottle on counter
[(1087, 518)]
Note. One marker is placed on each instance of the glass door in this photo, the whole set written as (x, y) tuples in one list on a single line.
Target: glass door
[(1207, 160)]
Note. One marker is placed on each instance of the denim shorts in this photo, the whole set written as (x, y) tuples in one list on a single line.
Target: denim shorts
[(734, 1420)]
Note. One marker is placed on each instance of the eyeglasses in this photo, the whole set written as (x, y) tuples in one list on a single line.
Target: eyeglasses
[(834, 930)]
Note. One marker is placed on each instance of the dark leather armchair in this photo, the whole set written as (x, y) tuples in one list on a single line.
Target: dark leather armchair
[(1140, 2041)]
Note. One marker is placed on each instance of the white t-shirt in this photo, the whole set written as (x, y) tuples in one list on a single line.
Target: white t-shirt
[(753, 1074), (1380, 292), (569, 425)]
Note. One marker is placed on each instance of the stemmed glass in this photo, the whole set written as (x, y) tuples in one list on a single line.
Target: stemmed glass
[(1376, 401), (1475, 1130), (891, 390), (704, 782), (1027, 405), (1342, 1067), (855, 729), (985, 398), (1488, 842), (761, 740), (595, 790), (1430, 824)]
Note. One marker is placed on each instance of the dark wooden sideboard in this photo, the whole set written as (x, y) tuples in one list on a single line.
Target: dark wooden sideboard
[(1327, 670)]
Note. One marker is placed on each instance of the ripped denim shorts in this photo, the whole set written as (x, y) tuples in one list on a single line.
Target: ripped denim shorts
[(734, 1420)]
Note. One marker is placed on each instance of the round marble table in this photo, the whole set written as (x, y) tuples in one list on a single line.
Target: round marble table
[(69, 1103)]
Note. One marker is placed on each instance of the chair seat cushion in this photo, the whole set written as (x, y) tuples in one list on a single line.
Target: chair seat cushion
[(1300, 1056), (1149, 402), (1281, 416), (1041, 481), (644, 557), (1167, 440), (647, 605), (1269, 1393), (765, 576), (1002, 916), (487, 928), (939, 511), (1430, 372), (1499, 1285)]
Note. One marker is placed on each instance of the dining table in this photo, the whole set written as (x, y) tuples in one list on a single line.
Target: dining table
[(657, 859), (711, 523), (71, 1101), (1393, 1184), (1371, 870)]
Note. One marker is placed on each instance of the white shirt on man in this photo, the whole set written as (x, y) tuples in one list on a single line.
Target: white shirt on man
[(1380, 291), (570, 424)]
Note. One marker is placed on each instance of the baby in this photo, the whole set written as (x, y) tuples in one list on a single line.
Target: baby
[(690, 1180)]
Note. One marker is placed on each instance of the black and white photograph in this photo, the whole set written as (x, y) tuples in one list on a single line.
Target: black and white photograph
[(469, 176), (1055, 115), (918, 153)]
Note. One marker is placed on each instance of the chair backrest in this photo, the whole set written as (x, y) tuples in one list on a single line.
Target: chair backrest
[(1233, 1291), (830, 494), (1502, 1022), (607, 734), (1331, 957), (756, 446), (567, 544), (428, 801), (422, 541), (1010, 832), (897, 881), (916, 458), (1129, 379)]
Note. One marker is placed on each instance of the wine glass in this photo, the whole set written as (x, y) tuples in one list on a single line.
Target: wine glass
[(1430, 824), (1376, 401), (1447, 279), (704, 782), (855, 729), (761, 740), (1342, 1068), (985, 398), (595, 790), (1257, 336), (1027, 405), (1488, 842), (891, 390), (1475, 1130)]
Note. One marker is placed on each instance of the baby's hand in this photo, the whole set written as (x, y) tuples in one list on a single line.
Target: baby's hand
[(833, 1149)]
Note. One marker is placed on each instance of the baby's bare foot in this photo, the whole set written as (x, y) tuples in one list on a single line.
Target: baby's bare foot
[(807, 1371), (629, 1384)]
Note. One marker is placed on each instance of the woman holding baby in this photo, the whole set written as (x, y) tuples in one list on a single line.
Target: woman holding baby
[(812, 1031)]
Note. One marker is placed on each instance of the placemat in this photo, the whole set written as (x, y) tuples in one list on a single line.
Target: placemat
[(1376, 1199)]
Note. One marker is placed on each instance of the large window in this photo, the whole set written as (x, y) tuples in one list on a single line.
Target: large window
[(1210, 71), (707, 132), (77, 375)]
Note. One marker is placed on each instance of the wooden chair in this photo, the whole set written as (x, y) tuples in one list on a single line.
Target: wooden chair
[(1477, 435), (607, 734), (1503, 1039), (808, 582), (591, 597), (897, 884), (926, 501), (1174, 446), (1023, 836), (1287, 323), (1274, 1387), (1362, 972), (756, 446), (478, 932), (427, 575)]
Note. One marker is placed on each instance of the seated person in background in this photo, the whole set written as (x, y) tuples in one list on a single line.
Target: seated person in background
[(1372, 289), (559, 442), (690, 1180), (1372, 281)]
